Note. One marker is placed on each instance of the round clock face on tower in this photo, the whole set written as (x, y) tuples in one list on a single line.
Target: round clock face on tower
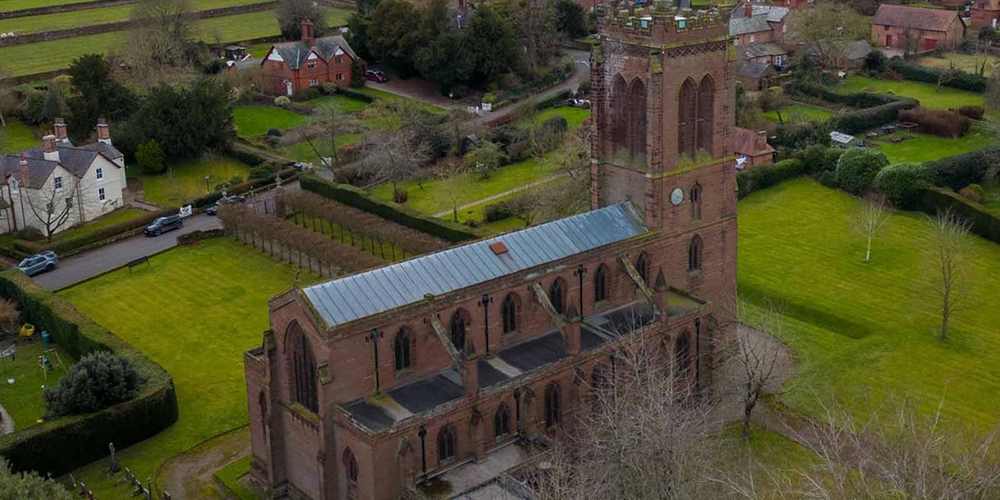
[(677, 196)]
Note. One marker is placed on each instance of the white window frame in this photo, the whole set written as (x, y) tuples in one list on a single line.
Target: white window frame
[(340, 77), (314, 82), (311, 64), (57, 182), (100, 195), (100, 173)]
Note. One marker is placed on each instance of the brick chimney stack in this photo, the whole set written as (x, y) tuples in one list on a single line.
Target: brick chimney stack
[(761, 139), (103, 133), (308, 35), (748, 9), (24, 169), (60, 130), (51, 153)]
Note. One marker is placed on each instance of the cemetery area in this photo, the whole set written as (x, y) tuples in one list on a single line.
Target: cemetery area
[(215, 323), (864, 330)]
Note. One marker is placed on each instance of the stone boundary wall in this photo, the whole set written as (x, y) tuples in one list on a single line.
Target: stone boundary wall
[(42, 36), (56, 9)]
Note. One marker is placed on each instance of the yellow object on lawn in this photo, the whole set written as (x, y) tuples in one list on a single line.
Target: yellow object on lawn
[(27, 330)]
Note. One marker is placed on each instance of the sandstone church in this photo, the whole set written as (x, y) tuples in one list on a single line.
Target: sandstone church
[(444, 365)]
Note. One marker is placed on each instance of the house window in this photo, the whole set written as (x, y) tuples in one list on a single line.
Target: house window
[(402, 347), (311, 64), (313, 82), (696, 202), (58, 182), (100, 173), (751, 38), (446, 443), (303, 368), (460, 322), (340, 77), (682, 352), (694, 254), (350, 467), (642, 266), (601, 283), (552, 405), (557, 295), (511, 304), (501, 421), (339, 59), (100, 194)]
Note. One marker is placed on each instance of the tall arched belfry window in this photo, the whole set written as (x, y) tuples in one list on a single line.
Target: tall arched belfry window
[(636, 118), (687, 115), (303, 368), (706, 114)]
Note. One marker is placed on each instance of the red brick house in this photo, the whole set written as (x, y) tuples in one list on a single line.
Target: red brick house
[(757, 23), (793, 4), (984, 13), (367, 385), (295, 66), (752, 149), (916, 29)]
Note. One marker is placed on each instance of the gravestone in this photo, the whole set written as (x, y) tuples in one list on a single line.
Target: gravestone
[(114, 460)]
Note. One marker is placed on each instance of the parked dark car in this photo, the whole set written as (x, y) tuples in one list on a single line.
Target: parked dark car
[(39, 263), (214, 209), (376, 76), (164, 224)]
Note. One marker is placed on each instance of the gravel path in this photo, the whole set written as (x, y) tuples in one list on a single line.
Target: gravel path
[(190, 475)]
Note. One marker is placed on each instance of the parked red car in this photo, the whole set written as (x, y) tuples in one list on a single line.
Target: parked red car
[(376, 76)]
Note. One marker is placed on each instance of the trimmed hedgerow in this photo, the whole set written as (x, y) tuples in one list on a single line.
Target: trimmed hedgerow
[(858, 167), (904, 183), (940, 122), (64, 444), (956, 78), (287, 174), (763, 176), (856, 122), (982, 222), (961, 170)]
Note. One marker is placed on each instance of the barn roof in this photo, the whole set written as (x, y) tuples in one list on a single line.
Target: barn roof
[(372, 292)]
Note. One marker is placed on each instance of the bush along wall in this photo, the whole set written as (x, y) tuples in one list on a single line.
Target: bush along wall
[(362, 200), (982, 222), (759, 177), (956, 78), (59, 446)]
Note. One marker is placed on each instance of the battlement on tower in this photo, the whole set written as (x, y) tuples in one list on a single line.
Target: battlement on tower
[(662, 25)]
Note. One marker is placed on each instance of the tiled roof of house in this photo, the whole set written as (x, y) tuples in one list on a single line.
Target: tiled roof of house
[(296, 53), (76, 159), (746, 25), (752, 69), (372, 292), (38, 170), (762, 49), (750, 143), (773, 13), (902, 16)]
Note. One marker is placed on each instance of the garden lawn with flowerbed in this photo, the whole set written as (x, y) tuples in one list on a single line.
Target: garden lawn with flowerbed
[(185, 181), (194, 310), (341, 103), (17, 136), (23, 399), (798, 113), (941, 98), (255, 120), (925, 147), (870, 330)]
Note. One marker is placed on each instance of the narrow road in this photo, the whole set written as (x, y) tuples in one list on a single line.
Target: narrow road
[(501, 195)]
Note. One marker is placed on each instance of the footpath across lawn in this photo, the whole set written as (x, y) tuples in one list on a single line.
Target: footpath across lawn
[(868, 330), (195, 311)]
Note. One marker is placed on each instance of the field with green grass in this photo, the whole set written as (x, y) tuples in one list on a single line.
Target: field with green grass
[(866, 330), (387, 96), (117, 217), (964, 62), (230, 476), (943, 98), (574, 116), (991, 197), (185, 181), (434, 198), (303, 152), (9, 5), (201, 344), (16, 136), (23, 399), (925, 147), (800, 113), (340, 103), (254, 120)]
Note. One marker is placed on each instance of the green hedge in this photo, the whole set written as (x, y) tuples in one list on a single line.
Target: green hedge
[(958, 171), (362, 200), (247, 157), (755, 178), (114, 232), (553, 101), (196, 236), (856, 122), (983, 222), (854, 100), (62, 445), (354, 94), (959, 79)]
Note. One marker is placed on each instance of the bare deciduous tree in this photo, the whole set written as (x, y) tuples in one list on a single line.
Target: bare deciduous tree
[(330, 124), (393, 156), (827, 29), (869, 220), (57, 206), (753, 356), (950, 248), (155, 46), (450, 172)]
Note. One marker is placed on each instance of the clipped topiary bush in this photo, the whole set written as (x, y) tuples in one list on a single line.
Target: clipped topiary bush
[(904, 183), (857, 168), (99, 380), (497, 211)]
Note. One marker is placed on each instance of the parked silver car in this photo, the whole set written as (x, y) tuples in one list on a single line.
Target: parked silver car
[(39, 263)]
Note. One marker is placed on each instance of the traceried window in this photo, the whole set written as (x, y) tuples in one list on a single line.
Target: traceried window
[(501, 421), (688, 110), (446, 443), (601, 283), (303, 368), (694, 254), (552, 405), (706, 113), (510, 309), (460, 322), (618, 115), (636, 118), (401, 346), (557, 295)]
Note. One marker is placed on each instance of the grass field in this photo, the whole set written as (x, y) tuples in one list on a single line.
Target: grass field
[(991, 197), (16, 136), (256, 120), (25, 60), (434, 197), (943, 98), (8, 5), (303, 152), (574, 116), (201, 343), (864, 330), (341, 103), (184, 182), (117, 217), (800, 113), (387, 96), (964, 62), (925, 147), (23, 399)]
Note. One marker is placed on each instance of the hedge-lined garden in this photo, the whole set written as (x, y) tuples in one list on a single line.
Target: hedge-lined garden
[(61, 445)]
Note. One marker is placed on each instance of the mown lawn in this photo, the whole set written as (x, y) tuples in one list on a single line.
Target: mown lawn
[(254, 120), (195, 311), (230, 476), (16, 136), (185, 181), (925, 147), (117, 217), (870, 330), (303, 152), (8, 5), (964, 62), (943, 98), (23, 399), (340, 103), (574, 116), (800, 113), (434, 197), (991, 197), (388, 96)]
